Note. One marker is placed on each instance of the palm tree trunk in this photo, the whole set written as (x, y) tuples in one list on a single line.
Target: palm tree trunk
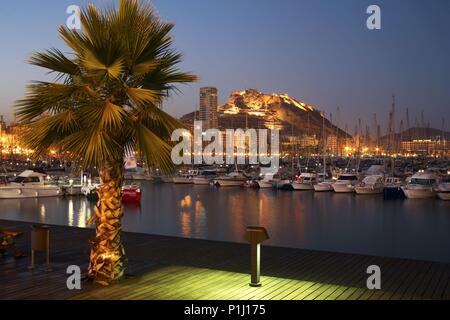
[(107, 253)]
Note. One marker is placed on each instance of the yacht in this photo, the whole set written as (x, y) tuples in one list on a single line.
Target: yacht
[(443, 189), (205, 178), (29, 184), (233, 179), (393, 188), (72, 189), (324, 186), (186, 177), (372, 184), (306, 181), (91, 191), (421, 186), (346, 183), (266, 181)]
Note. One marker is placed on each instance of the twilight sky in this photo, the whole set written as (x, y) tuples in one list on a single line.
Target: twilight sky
[(318, 51)]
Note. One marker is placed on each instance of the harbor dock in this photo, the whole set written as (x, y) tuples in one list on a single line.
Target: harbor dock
[(168, 268)]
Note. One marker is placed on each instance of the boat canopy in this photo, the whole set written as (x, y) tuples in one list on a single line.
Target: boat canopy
[(372, 179), (375, 170), (31, 174)]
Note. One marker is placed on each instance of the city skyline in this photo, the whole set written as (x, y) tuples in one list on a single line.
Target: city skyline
[(344, 63)]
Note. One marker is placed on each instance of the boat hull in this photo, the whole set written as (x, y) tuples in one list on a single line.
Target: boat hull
[(302, 186), (72, 190), (264, 184), (201, 181), (369, 190), (323, 187), (426, 193), (343, 188), (181, 180), (444, 196), (29, 192), (131, 195), (228, 183)]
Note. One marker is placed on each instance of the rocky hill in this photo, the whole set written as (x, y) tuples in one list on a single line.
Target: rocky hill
[(254, 109)]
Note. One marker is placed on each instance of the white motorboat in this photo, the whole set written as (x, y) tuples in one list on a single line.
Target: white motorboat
[(90, 191), (205, 178), (306, 181), (372, 184), (324, 186), (233, 179), (346, 183), (443, 189), (29, 184), (185, 177), (72, 189), (266, 181), (421, 186)]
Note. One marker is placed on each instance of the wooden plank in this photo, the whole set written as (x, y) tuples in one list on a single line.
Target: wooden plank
[(175, 268)]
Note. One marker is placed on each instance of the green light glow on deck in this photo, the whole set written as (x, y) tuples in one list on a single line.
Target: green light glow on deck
[(189, 283)]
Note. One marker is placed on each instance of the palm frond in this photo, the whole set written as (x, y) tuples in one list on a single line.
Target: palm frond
[(121, 68), (54, 60), (154, 149)]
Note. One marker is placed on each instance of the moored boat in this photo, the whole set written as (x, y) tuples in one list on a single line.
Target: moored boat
[(443, 189), (324, 186), (266, 181), (372, 184), (72, 190), (306, 181), (29, 184), (421, 186), (233, 179), (90, 191), (185, 177), (346, 183), (131, 193), (205, 177)]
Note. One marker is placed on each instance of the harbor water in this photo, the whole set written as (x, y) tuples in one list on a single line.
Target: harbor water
[(416, 229)]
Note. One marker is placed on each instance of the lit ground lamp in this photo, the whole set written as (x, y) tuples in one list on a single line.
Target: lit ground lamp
[(256, 235)]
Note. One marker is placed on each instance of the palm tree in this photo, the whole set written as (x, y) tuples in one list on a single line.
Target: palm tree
[(104, 103)]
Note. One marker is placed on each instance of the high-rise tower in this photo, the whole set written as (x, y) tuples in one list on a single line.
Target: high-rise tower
[(208, 107)]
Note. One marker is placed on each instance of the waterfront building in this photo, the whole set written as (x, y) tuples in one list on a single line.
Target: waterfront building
[(208, 107), (434, 146)]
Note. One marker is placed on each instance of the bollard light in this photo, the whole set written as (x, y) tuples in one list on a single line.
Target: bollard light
[(256, 235)]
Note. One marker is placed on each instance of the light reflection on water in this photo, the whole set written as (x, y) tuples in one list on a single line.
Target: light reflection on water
[(417, 229)]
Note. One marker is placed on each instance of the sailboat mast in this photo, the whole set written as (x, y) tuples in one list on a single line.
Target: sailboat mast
[(324, 146)]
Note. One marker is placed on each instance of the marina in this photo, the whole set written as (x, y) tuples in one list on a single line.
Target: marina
[(372, 225), (150, 151)]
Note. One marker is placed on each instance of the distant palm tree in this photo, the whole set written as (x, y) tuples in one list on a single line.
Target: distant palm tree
[(103, 104)]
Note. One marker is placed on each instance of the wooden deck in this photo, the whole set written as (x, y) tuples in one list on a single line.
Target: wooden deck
[(172, 268)]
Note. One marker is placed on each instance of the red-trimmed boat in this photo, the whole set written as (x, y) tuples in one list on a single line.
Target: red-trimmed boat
[(131, 193)]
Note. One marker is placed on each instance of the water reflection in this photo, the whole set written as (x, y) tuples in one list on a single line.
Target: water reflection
[(416, 229)]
